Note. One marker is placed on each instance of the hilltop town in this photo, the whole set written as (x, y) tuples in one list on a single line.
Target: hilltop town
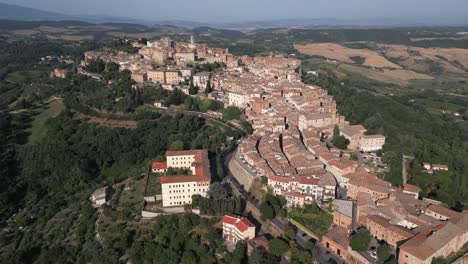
[(292, 151)]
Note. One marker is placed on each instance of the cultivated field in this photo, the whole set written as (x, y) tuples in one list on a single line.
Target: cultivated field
[(398, 64), (396, 76), (343, 54)]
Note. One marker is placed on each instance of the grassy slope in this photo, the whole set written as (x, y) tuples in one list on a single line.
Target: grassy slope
[(38, 129)]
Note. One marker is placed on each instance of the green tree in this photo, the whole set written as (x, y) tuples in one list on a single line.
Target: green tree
[(176, 145), (217, 191), (300, 256), (208, 88), (439, 261), (247, 127), (339, 141), (96, 66), (260, 256), (278, 247), (238, 255), (192, 88), (360, 240), (267, 211), (231, 113), (383, 252), (289, 230), (219, 168)]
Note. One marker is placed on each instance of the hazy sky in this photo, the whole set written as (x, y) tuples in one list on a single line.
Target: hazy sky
[(251, 10)]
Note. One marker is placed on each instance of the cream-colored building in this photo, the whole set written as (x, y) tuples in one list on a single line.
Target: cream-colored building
[(156, 76), (317, 120), (184, 57), (353, 134), (173, 76), (371, 142), (201, 78), (238, 99), (237, 228), (139, 76), (178, 190)]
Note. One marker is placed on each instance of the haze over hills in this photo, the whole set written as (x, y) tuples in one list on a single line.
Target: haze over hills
[(16, 12)]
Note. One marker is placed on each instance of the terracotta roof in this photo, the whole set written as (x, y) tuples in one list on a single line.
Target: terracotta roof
[(239, 222), (411, 188), (445, 212), (182, 152), (350, 131), (343, 164), (159, 165), (308, 180), (426, 243), (364, 199), (360, 128), (201, 164), (385, 223), (280, 178), (183, 178), (339, 235)]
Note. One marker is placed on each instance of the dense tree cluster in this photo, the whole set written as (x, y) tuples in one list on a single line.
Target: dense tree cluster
[(273, 206), (231, 113), (233, 205), (89, 156), (359, 241), (339, 141)]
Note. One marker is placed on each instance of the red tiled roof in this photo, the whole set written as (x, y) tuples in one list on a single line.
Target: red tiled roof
[(339, 235), (239, 222), (444, 211), (411, 188), (308, 180), (343, 164), (182, 152), (159, 165), (386, 224), (183, 178), (360, 128), (201, 163), (280, 179)]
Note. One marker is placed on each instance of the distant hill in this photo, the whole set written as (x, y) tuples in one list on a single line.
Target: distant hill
[(21, 13), (15, 12)]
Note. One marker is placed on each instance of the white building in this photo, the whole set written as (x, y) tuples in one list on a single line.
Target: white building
[(237, 228), (372, 142), (200, 79), (178, 190), (100, 196), (319, 186)]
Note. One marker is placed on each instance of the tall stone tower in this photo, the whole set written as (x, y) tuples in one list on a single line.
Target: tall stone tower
[(192, 42)]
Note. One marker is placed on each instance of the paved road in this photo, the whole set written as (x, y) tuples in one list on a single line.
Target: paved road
[(325, 255), (239, 191), (302, 239)]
